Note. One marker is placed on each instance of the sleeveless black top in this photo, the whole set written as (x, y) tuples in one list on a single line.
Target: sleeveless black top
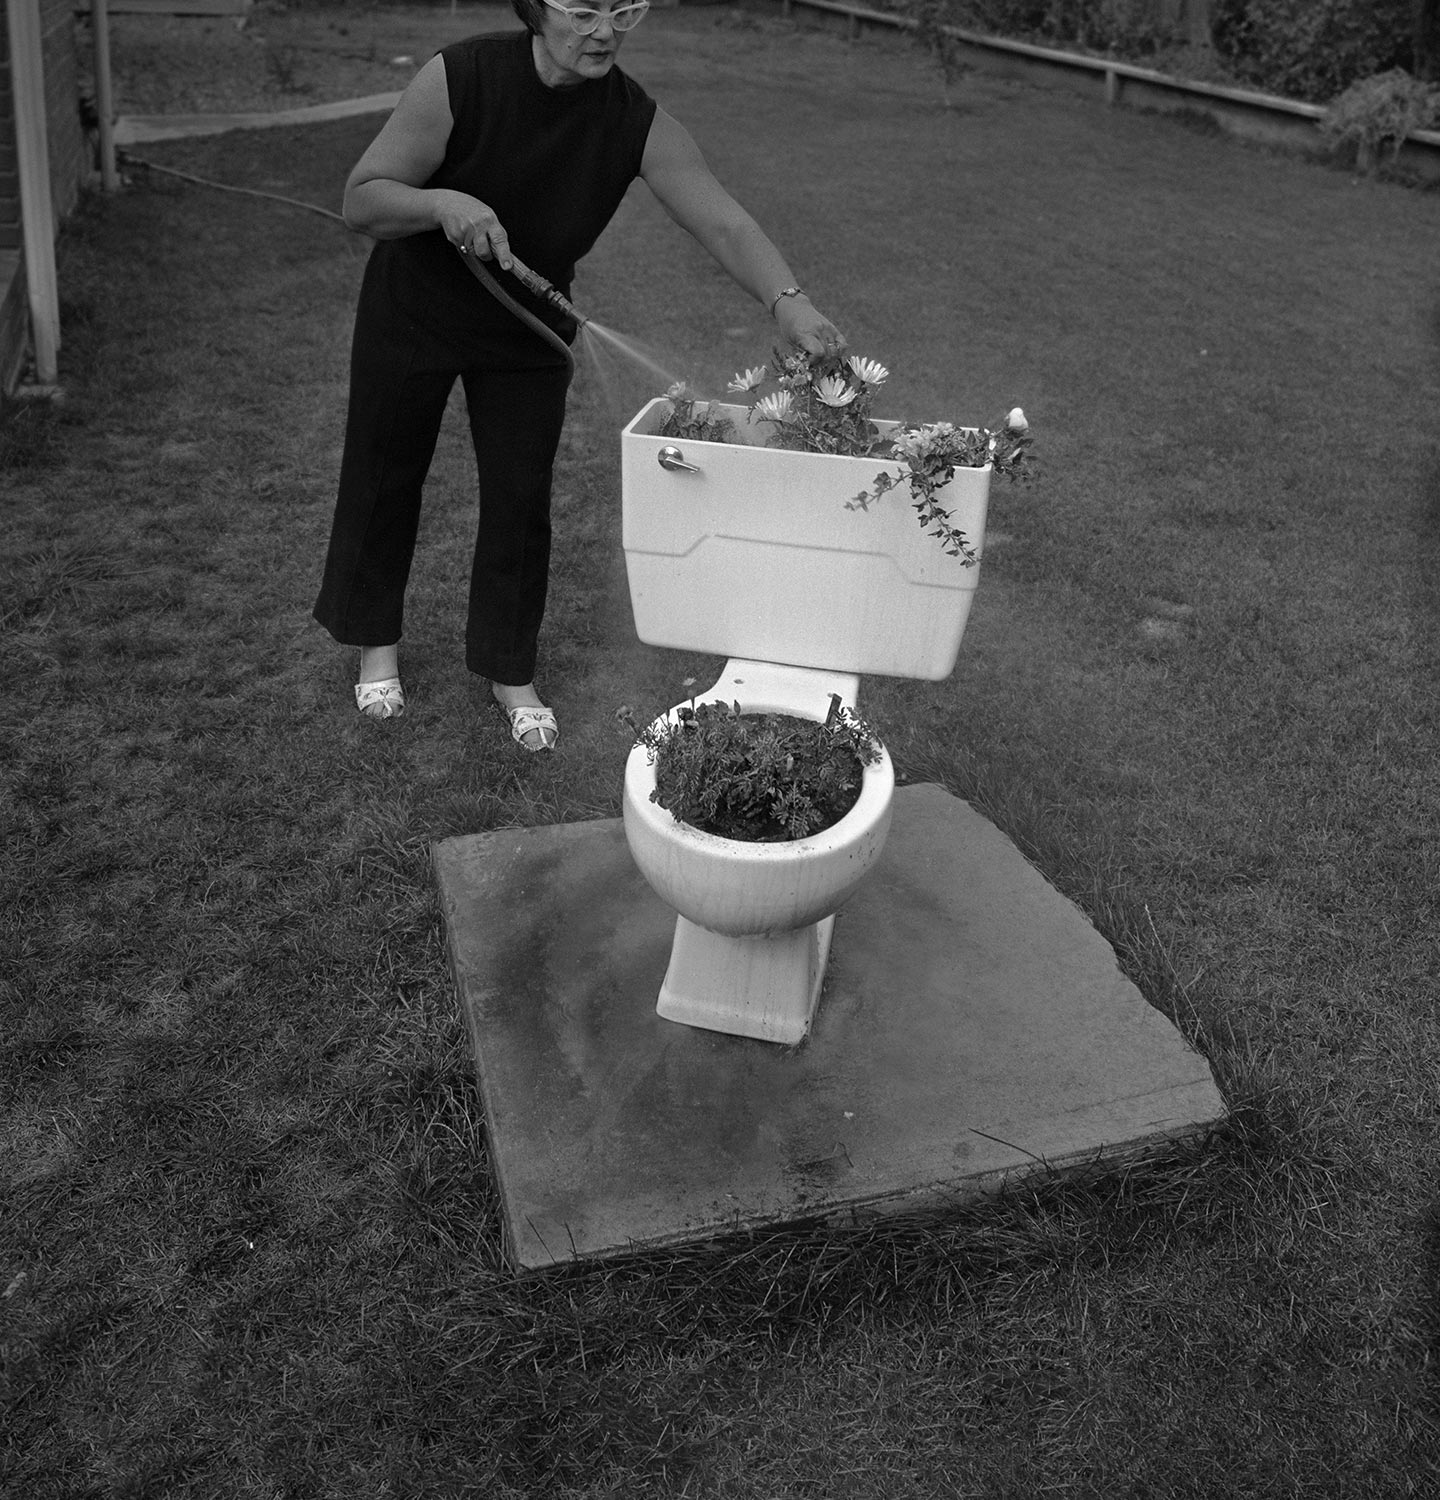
[(554, 164)]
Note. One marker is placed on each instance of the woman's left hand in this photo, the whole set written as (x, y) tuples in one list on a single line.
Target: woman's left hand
[(807, 328)]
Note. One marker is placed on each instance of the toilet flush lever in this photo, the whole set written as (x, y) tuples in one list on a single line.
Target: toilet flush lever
[(673, 459)]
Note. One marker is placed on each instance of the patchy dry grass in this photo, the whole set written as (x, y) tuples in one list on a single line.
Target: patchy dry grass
[(248, 1244)]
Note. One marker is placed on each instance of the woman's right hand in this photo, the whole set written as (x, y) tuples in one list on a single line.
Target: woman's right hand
[(471, 226), (805, 327)]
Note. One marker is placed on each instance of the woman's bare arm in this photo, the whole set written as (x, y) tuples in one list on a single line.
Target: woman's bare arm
[(385, 196), (676, 172)]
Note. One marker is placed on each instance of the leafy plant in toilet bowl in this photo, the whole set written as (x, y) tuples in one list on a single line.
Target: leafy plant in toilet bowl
[(723, 841), (758, 777)]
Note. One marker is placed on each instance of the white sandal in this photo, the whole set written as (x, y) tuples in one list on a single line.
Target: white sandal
[(531, 718), (380, 700)]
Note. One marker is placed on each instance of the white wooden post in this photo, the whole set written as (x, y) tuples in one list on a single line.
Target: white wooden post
[(104, 96), (37, 209)]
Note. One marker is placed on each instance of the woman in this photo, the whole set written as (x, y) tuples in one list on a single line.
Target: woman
[(528, 139)]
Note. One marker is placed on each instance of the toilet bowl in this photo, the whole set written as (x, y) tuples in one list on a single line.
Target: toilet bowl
[(752, 554), (752, 934)]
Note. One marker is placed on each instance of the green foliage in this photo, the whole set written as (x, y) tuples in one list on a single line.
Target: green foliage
[(928, 457), (696, 420), (1131, 27), (932, 34), (1377, 110), (1300, 49), (822, 404), (1312, 49), (762, 778)]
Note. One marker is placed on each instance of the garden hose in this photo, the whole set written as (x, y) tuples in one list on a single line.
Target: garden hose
[(531, 280), (541, 288)]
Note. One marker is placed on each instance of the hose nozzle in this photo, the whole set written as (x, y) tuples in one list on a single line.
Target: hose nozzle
[(542, 289), (534, 282)]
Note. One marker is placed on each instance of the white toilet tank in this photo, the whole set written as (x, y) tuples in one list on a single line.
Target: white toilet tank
[(755, 555)]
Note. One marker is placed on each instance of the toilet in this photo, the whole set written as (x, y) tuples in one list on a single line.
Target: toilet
[(751, 553)]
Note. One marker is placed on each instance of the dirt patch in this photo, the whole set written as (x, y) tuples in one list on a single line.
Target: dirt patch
[(277, 57)]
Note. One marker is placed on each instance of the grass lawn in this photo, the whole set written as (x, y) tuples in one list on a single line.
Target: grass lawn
[(248, 1236)]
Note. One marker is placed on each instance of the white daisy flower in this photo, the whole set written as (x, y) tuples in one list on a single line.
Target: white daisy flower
[(776, 407), (748, 380), (833, 391), (868, 371)]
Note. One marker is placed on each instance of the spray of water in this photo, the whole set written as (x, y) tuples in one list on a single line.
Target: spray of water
[(625, 372)]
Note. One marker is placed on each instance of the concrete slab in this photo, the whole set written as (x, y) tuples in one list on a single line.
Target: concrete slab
[(973, 1026)]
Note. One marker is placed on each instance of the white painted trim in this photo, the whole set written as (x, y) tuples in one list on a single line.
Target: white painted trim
[(37, 210)]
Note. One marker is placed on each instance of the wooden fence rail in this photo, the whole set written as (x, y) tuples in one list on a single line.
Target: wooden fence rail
[(1253, 116)]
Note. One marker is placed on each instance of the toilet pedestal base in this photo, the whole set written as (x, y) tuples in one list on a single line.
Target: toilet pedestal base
[(761, 987)]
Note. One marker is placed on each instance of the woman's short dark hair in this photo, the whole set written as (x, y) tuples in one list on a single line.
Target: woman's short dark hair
[(531, 12)]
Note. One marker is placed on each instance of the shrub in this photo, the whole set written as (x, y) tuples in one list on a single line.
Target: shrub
[(1129, 28), (1301, 49), (1380, 109), (1312, 49)]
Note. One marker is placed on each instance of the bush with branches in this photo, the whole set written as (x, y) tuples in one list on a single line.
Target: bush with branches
[(1311, 50), (1380, 111)]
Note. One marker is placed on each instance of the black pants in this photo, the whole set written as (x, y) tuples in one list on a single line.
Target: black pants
[(401, 375)]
